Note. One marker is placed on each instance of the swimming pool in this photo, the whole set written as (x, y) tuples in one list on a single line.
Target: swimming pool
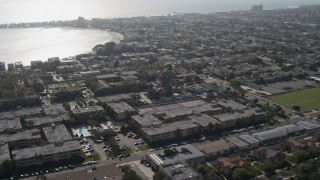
[(81, 130)]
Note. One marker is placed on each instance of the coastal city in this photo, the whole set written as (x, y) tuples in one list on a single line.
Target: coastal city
[(220, 96)]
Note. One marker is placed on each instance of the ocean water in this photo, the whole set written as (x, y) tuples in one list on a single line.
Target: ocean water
[(28, 44), (39, 44)]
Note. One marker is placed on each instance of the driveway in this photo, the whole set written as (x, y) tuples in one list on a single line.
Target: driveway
[(98, 149)]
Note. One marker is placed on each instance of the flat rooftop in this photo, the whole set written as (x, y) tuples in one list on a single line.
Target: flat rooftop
[(308, 125), (146, 120), (107, 76), (14, 124), (89, 109), (249, 139), (277, 132), (160, 159), (8, 115), (172, 106), (115, 98), (45, 150), (180, 172), (164, 128), (23, 135), (237, 142), (237, 115), (108, 172), (54, 109), (28, 112), (56, 133), (215, 146), (232, 104), (121, 107), (203, 120), (4, 152), (45, 120)]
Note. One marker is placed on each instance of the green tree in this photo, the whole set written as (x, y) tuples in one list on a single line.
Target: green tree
[(91, 103), (314, 176), (300, 156), (91, 82), (7, 168), (235, 82), (38, 87), (169, 152), (268, 167), (296, 108), (241, 174), (184, 150), (129, 174), (159, 176), (202, 171)]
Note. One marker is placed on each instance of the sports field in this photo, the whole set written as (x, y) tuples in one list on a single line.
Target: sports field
[(307, 99)]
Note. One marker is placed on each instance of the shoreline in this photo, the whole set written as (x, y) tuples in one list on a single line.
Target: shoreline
[(113, 37), (116, 36)]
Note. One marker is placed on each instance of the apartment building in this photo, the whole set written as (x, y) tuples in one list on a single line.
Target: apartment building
[(47, 153), (164, 132)]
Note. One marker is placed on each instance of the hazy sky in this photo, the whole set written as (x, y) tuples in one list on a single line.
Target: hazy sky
[(43, 10)]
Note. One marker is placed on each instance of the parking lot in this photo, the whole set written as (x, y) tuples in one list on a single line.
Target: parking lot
[(129, 142), (98, 148)]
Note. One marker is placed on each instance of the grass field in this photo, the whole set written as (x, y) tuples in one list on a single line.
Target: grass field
[(307, 99)]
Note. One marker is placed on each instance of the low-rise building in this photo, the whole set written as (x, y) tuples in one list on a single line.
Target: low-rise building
[(115, 98), (145, 120), (56, 133), (10, 125), (277, 134), (65, 69), (4, 153), (47, 153), (309, 126), (22, 139), (181, 172), (230, 104), (294, 145), (30, 99), (181, 113), (240, 145), (85, 111), (183, 154), (204, 121), (29, 112), (109, 77), (46, 120), (267, 154), (64, 91), (122, 110), (168, 131), (54, 110), (226, 165), (216, 148), (240, 117), (253, 142)]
